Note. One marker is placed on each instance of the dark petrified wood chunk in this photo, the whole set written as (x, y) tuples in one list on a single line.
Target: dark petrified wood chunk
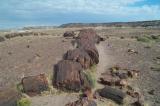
[(69, 34), (112, 93), (67, 75), (33, 85), (9, 97), (79, 55), (90, 35)]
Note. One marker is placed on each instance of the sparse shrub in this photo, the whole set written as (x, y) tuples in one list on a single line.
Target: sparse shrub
[(144, 39), (93, 68), (148, 39), (23, 102), (89, 79), (20, 87)]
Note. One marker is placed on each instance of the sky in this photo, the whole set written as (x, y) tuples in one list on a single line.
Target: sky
[(21, 13)]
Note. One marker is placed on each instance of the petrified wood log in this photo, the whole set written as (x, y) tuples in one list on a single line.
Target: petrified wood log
[(33, 85), (113, 94), (67, 75), (79, 55)]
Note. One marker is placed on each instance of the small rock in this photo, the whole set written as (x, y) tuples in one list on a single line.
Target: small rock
[(28, 46), (109, 80), (1, 39), (82, 102), (69, 34), (132, 51), (133, 73), (151, 92)]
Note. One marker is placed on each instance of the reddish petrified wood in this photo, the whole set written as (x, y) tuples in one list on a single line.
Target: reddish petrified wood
[(67, 75), (79, 55), (33, 85)]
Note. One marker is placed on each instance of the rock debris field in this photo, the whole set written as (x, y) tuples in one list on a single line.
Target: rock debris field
[(80, 67)]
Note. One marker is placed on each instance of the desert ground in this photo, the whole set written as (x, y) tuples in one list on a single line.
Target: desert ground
[(32, 55)]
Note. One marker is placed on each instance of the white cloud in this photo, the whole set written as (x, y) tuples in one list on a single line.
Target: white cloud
[(102, 7)]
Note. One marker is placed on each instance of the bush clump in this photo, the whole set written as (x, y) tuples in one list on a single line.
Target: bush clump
[(148, 39), (24, 102)]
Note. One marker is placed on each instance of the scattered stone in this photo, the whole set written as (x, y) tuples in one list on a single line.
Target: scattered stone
[(33, 85), (123, 83), (67, 75), (9, 97), (69, 34), (82, 102), (79, 55), (109, 80), (133, 73), (2, 39), (10, 53), (113, 94), (87, 91), (137, 103), (151, 92), (28, 46), (122, 37), (132, 51), (123, 75)]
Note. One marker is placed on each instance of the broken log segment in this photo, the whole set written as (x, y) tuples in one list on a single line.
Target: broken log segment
[(79, 55), (113, 94), (33, 85)]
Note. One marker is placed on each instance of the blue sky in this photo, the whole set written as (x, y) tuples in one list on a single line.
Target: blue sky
[(20, 13)]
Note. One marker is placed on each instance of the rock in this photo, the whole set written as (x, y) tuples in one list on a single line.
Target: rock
[(123, 83), (132, 51), (67, 75), (9, 97), (82, 102), (151, 92), (108, 79), (133, 73), (1, 39), (34, 85), (87, 91), (113, 94), (69, 34), (123, 75), (89, 35), (86, 40), (79, 55), (138, 103)]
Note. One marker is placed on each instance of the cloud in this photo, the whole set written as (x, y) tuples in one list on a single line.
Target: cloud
[(63, 11), (111, 7)]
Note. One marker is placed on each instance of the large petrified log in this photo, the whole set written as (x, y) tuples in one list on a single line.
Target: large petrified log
[(33, 85), (91, 49), (86, 40), (90, 35), (67, 75), (79, 55), (112, 93)]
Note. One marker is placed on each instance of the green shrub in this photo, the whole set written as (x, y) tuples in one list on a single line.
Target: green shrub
[(89, 77), (147, 39), (144, 39), (20, 87), (23, 102)]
